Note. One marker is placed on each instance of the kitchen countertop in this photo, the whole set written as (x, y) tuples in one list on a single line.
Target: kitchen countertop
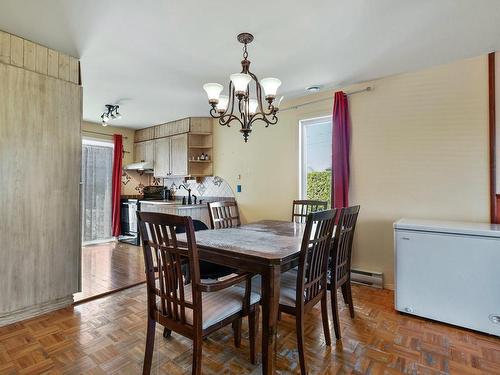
[(175, 204)]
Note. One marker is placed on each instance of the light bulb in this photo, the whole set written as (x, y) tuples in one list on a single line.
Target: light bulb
[(118, 116), (213, 92), (223, 102), (252, 106), (270, 86), (240, 82)]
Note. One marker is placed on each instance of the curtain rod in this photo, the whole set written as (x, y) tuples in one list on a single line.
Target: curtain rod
[(109, 135), (369, 88)]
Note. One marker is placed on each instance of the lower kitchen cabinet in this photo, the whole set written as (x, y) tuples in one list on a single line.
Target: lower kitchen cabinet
[(197, 212)]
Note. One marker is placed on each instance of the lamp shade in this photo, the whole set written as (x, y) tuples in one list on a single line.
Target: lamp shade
[(223, 102), (270, 86), (252, 106), (213, 91), (277, 103), (240, 81)]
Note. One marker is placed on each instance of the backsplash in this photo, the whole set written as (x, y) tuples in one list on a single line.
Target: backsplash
[(208, 187), (133, 183)]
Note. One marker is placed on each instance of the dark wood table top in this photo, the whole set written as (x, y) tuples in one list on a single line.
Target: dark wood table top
[(275, 241)]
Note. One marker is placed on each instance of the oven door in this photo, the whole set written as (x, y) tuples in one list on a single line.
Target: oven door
[(129, 227)]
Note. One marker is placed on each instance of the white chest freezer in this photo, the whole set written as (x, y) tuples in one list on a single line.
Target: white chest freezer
[(449, 271)]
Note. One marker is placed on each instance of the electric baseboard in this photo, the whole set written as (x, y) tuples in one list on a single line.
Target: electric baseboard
[(368, 278)]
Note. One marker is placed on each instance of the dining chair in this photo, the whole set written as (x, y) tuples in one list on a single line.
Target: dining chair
[(208, 270), (196, 309), (302, 289), (224, 214), (302, 208), (340, 263)]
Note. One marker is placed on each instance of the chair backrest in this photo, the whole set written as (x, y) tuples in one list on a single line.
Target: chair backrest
[(224, 214), (164, 258), (302, 208), (342, 243), (314, 254)]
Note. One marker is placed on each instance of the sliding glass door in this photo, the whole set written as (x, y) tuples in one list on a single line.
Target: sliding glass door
[(97, 170)]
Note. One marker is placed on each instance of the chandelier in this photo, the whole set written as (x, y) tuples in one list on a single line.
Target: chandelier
[(111, 113), (244, 105)]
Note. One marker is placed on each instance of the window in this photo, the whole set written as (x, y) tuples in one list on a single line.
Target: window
[(316, 158), (97, 172)]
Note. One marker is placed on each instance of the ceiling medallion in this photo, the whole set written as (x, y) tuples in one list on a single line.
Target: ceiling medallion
[(245, 96), (111, 113)]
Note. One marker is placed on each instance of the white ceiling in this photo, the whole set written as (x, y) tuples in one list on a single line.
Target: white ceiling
[(153, 56)]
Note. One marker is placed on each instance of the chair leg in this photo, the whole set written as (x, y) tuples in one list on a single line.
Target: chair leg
[(167, 332), (344, 293), (237, 332), (197, 343), (335, 312), (349, 297), (150, 342), (300, 342), (324, 317), (253, 327)]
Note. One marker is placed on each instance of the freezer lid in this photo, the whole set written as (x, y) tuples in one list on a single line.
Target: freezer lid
[(452, 227)]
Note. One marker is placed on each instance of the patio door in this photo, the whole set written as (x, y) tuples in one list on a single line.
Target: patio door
[(97, 170)]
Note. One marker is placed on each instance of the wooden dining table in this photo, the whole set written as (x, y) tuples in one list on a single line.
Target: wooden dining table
[(268, 248)]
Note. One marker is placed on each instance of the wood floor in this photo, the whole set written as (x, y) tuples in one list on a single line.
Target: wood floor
[(107, 335), (110, 266)]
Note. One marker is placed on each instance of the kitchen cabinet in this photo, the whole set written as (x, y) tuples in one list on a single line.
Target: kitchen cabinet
[(197, 212), (171, 156), (144, 151), (175, 147), (162, 157), (179, 155)]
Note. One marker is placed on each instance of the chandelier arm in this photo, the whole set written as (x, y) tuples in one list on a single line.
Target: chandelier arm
[(226, 119)]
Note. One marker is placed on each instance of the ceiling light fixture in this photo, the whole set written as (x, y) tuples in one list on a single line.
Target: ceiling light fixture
[(248, 99), (111, 113), (314, 88)]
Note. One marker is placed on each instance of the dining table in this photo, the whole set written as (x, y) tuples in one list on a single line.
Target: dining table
[(268, 248)]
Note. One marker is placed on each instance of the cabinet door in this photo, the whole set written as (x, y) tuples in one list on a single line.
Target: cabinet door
[(179, 155), (139, 152), (144, 151), (162, 157)]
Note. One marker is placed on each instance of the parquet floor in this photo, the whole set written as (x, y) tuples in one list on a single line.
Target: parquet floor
[(110, 266), (107, 335)]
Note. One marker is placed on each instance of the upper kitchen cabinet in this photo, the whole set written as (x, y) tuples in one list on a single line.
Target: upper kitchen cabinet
[(144, 151), (162, 157), (146, 134), (181, 148)]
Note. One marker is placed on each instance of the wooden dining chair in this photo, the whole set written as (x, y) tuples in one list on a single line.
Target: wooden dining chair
[(196, 309), (340, 263), (224, 214), (302, 289), (302, 208)]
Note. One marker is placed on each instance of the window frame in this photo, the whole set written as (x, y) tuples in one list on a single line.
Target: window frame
[(303, 151)]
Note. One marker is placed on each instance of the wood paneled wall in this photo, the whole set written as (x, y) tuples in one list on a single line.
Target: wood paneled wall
[(40, 152), (31, 56)]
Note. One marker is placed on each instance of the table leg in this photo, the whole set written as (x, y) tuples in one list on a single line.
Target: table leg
[(270, 290)]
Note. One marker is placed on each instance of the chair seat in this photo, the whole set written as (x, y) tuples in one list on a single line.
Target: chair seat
[(288, 287), (219, 305)]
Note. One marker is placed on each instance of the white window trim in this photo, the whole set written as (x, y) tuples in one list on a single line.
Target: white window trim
[(97, 142), (302, 152)]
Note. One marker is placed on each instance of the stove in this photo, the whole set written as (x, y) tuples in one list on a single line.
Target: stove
[(129, 207)]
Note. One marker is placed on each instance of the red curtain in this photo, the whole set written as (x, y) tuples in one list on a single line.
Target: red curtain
[(341, 129), (116, 184)]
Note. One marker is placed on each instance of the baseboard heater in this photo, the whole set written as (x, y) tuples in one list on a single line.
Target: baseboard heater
[(368, 278)]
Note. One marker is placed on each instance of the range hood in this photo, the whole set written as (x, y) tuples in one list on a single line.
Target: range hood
[(145, 166)]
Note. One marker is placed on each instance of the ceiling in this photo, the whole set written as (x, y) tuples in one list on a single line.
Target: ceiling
[(153, 56)]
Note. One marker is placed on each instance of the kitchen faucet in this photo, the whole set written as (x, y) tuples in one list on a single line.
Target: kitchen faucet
[(189, 193)]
